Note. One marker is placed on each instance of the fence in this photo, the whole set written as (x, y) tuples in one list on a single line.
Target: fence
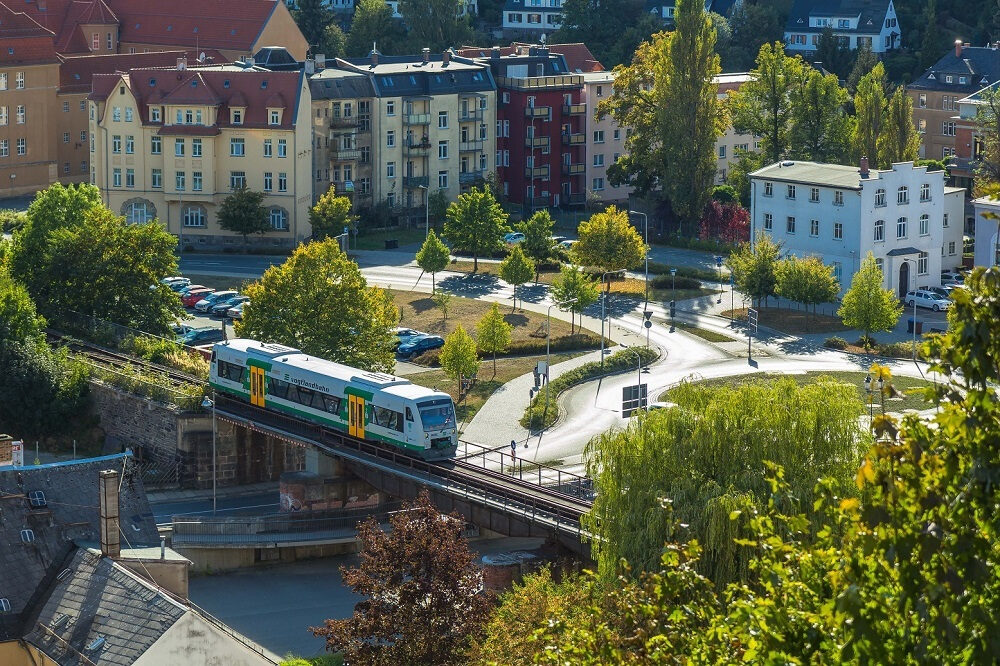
[(526, 470)]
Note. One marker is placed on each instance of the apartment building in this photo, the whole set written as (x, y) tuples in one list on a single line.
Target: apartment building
[(172, 144), (531, 17), (731, 143), (855, 23), (905, 216), (29, 79), (605, 141), (987, 230), (395, 129), (664, 9), (936, 96)]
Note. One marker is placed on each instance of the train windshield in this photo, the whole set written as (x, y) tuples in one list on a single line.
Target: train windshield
[(437, 414)]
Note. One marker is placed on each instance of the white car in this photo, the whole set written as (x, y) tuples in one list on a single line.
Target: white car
[(513, 238), (567, 244), (927, 299), (952, 277)]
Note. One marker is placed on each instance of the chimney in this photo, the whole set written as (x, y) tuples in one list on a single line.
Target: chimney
[(110, 536), (182, 63), (495, 53), (445, 57), (320, 61), (427, 54), (864, 167), (310, 66), (374, 57)]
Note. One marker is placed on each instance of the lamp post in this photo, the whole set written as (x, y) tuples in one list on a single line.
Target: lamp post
[(912, 261), (871, 403), (427, 207), (209, 403), (604, 298), (718, 268), (548, 338), (645, 239)]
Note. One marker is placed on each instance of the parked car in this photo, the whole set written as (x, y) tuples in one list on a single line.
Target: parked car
[(419, 345), (180, 329), (404, 335), (221, 307), (179, 285), (236, 312), (175, 280), (513, 238), (952, 277), (193, 296), (189, 288), (567, 244), (927, 299), (201, 336), (207, 301), (943, 292)]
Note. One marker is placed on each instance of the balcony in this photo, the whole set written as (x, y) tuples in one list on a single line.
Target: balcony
[(470, 116), (414, 182), (535, 203), (470, 146), (343, 122), (417, 148), (537, 142), (416, 119), (538, 112), (344, 154), (537, 172), (574, 109), (574, 169), (574, 139), (578, 199), (470, 177), (341, 187)]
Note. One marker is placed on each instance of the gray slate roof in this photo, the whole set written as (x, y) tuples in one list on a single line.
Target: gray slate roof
[(980, 64), (813, 173), (872, 15), (340, 84), (400, 76)]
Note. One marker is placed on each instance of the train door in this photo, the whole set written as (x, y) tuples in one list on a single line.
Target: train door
[(257, 383), (356, 416)]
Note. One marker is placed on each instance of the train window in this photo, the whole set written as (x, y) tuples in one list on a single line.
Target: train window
[(409, 414), (305, 396), (277, 388), (387, 418), (231, 371), (331, 403)]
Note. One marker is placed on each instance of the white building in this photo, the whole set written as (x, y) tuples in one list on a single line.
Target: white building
[(987, 252), (906, 217), (854, 23), (531, 16)]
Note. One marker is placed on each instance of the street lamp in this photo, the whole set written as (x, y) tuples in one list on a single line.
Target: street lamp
[(208, 403), (913, 261), (645, 239), (871, 403), (718, 268), (604, 298), (548, 338), (427, 207)]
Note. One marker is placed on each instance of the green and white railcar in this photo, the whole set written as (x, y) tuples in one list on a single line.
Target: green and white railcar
[(367, 405)]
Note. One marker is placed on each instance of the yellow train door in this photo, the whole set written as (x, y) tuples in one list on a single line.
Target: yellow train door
[(356, 416), (258, 381)]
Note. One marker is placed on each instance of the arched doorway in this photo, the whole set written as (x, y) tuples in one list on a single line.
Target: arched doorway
[(904, 279)]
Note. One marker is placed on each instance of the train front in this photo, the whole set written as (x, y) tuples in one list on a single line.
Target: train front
[(437, 417)]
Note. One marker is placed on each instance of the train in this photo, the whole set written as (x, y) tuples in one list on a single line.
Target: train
[(372, 406)]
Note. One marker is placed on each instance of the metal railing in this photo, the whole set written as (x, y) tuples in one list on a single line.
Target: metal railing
[(535, 82), (501, 459), (574, 109), (345, 153), (475, 146), (536, 142), (538, 111), (468, 177), (416, 119), (574, 139), (344, 122), (536, 172), (415, 181), (574, 169)]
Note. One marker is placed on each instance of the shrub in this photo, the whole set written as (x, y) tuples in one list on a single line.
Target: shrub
[(575, 342), (866, 342), (12, 220), (835, 343), (680, 282), (166, 352), (429, 359), (899, 349), (704, 274)]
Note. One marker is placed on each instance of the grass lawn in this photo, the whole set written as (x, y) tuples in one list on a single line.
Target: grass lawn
[(376, 240), (507, 369), (704, 334), (792, 321), (903, 400)]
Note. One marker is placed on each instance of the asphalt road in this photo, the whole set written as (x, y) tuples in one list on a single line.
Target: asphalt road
[(241, 505)]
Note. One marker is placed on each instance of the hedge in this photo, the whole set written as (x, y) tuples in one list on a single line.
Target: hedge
[(703, 274), (575, 342), (679, 282)]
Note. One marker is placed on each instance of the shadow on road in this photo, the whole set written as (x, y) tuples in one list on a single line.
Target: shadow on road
[(474, 285)]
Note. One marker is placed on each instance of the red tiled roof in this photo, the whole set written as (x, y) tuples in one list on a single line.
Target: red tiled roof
[(217, 87), (218, 24), (30, 42), (76, 72), (577, 55)]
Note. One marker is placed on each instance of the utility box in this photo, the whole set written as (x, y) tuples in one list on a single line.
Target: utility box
[(910, 324)]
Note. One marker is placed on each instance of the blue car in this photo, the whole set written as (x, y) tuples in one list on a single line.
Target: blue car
[(201, 336), (404, 335), (420, 345)]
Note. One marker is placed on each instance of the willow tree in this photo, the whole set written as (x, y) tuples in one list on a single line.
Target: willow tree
[(668, 97), (707, 458)]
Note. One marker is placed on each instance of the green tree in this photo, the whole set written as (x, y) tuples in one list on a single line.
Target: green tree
[(372, 24), (668, 97), (755, 268), (331, 214), (988, 124), (864, 62), (318, 301), (243, 212), (312, 17), (707, 455), (43, 393), (612, 29), (435, 24), (19, 322), (459, 358), (869, 105), (516, 269), (746, 162), (476, 223), (808, 281), (867, 305), (899, 140), (442, 299), (334, 42), (438, 206), (574, 283), (423, 602), (609, 241), (493, 334), (763, 105), (537, 243), (820, 129), (834, 56), (433, 257), (931, 44), (105, 268)]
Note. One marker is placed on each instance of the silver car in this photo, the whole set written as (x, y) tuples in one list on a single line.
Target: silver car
[(927, 299)]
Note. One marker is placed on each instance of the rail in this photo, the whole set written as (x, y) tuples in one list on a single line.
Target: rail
[(526, 470)]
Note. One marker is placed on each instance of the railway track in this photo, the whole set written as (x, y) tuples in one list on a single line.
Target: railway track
[(109, 358)]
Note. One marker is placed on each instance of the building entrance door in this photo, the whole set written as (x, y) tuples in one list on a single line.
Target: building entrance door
[(904, 279)]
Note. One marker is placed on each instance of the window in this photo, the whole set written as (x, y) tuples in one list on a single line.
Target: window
[(116, 114), (387, 418), (838, 271), (156, 178), (790, 192), (65, 137), (65, 107), (390, 169), (768, 222), (83, 136), (237, 180), (598, 136), (3, 115), (768, 189), (269, 184), (599, 160), (27, 536), (279, 221), (282, 148), (879, 197), (618, 135), (156, 145), (838, 230), (390, 108), (443, 180), (130, 178), (443, 119), (722, 152), (116, 143), (19, 80), (194, 216), (3, 80), (37, 499), (901, 228), (951, 248), (925, 224), (922, 263), (814, 195), (22, 146), (66, 167), (442, 150), (4, 148), (267, 147), (196, 147), (83, 166), (237, 116), (128, 114), (237, 147), (944, 221), (129, 145), (598, 184), (925, 192), (838, 198), (814, 228), (179, 147), (20, 114), (879, 235), (903, 195), (196, 179), (274, 118), (116, 177), (282, 181), (880, 264), (179, 183), (92, 143), (790, 225), (390, 139), (154, 114)]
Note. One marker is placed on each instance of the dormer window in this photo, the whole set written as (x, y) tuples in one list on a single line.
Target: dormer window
[(154, 114), (236, 115), (949, 78), (274, 117)]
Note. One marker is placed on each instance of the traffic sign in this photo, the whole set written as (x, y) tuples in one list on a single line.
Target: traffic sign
[(752, 319), (647, 324), (634, 398)]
